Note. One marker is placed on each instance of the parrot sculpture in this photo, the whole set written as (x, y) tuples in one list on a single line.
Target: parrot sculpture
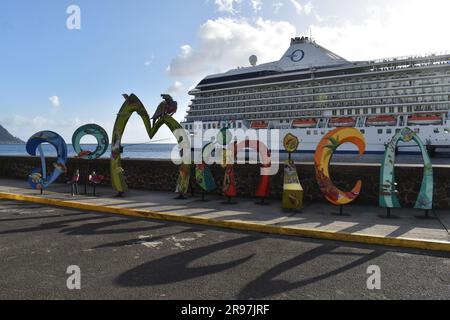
[(166, 108)]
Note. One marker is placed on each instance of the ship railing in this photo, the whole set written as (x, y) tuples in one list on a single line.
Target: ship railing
[(411, 57)]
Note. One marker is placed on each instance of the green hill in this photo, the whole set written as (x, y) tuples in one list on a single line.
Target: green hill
[(8, 138)]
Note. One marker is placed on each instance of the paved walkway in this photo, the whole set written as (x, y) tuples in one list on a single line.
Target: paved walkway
[(364, 224)]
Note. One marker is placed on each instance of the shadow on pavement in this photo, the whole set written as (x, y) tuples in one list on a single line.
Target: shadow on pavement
[(176, 267)]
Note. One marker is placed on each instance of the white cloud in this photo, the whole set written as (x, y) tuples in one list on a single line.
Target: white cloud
[(276, 7), (54, 100), (227, 43), (149, 61), (257, 5), (21, 121), (227, 5), (297, 5), (308, 8), (186, 50), (300, 9), (175, 88), (24, 127), (389, 30)]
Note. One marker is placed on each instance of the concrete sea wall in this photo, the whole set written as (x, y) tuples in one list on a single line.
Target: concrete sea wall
[(161, 175)]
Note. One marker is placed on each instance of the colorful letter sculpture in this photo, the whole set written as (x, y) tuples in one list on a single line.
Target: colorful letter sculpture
[(388, 196), (183, 181), (93, 130), (102, 146), (203, 175), (204, 178), (263, 188), (229, 182), (291, 143), (292, 189), (162, 116), (324, 152), (38, 179)]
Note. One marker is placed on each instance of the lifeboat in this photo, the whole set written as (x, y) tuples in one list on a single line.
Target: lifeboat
[(424, 119), (304, 123), (382, 121), (259, 125), (342, 122)]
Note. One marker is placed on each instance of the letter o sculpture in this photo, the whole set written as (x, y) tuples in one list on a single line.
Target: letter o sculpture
[(93, 130)]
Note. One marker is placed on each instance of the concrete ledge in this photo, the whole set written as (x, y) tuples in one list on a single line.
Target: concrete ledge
[(239, 225), (161, 176)]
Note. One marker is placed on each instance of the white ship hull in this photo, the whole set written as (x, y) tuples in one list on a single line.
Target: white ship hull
[(376, 138), (434, 135)]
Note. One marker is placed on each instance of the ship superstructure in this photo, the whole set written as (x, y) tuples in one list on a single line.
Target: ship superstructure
[(311, 90)]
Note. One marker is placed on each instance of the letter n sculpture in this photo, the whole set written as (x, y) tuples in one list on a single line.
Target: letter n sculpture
[(388, 192)]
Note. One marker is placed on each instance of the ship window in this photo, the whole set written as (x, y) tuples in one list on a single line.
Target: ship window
[(315, 132), (308, 133), (436, 130), (388, 131), (380, 131), (363, 131), (239, 125), (417, 130)]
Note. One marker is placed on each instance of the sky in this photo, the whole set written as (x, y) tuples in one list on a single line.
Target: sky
[(55, 77)]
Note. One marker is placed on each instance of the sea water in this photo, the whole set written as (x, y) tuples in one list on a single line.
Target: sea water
[(164, 152)]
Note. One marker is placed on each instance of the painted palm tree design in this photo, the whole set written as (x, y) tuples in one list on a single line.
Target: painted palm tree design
[(332, 146)]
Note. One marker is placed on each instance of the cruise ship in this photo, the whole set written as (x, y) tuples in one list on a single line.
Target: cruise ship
[(312, 90)]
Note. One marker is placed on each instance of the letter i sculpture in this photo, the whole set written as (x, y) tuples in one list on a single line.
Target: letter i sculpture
[(292, 189)]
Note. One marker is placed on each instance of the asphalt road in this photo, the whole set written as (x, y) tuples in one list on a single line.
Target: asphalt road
[(127, 258)]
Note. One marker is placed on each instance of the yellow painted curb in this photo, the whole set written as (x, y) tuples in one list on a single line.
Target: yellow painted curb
[(239, 225)]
